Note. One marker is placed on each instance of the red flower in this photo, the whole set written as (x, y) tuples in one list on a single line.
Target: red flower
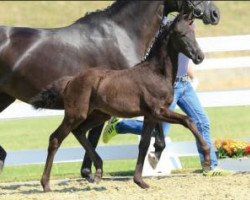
[(247, 150)]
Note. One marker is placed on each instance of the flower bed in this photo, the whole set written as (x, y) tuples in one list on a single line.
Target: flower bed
[(232, 148)]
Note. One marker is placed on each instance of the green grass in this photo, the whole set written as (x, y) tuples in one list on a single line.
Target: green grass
[(46, 14), (226, 122), (33, 133), (230, 122), (234, 20), (234, 15)]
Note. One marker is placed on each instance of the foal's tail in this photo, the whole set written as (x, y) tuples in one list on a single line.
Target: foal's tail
[(52, 96)]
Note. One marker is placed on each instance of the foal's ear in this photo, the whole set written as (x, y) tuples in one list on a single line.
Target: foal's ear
[(185, 16), (188, 18)]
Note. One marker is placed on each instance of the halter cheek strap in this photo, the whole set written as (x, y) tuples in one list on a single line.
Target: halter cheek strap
[(179, 5)]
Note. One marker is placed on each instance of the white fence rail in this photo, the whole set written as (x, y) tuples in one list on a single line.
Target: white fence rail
[(208, 99), (225, 44)]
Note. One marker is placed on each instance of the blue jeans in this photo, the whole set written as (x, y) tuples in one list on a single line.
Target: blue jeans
[(186, 98)]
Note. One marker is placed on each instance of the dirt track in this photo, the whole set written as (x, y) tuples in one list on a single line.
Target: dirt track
[(188, 186)]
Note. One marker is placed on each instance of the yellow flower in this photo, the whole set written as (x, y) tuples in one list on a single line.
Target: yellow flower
[(230, 146), (228, 150), (218, 143)]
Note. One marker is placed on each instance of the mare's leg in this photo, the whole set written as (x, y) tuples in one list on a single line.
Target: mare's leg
[(5, 101), (93, 137), (172, 117), (94, 120), (159, 145), (143, 148), (3, 155), (55, 140)]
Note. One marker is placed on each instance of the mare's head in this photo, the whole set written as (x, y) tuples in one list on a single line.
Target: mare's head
[(182, 38), (205, 10)]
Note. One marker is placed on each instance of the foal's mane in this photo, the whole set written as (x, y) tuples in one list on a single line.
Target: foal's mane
[(162, 36), (107, 12)]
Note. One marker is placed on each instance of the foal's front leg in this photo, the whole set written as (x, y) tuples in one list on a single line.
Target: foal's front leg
[(159, 145), (55, 141), (143, 148)]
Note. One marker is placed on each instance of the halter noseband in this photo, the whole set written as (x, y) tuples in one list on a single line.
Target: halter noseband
[(195, 12)]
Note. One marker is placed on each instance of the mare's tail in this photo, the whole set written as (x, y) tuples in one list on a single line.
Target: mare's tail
[(52, 96)]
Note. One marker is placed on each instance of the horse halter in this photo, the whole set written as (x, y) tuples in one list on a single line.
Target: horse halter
[(197, 13)]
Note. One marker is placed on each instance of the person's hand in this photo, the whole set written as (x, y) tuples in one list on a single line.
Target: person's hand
[(194, 82)]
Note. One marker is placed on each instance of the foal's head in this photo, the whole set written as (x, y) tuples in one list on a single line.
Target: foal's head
[(182, 38)]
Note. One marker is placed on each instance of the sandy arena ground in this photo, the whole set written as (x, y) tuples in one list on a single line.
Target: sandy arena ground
[(186, 186)]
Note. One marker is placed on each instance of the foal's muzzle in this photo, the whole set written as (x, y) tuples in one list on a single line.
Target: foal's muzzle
[(199, 57)]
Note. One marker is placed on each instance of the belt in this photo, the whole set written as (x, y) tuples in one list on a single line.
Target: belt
[(181, 78)]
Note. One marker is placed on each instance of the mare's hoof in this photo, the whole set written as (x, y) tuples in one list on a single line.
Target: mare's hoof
[(86, 173), (1, 166), (90, 179), (141, 184), (153, 160)]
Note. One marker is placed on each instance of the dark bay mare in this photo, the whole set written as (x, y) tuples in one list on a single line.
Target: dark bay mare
[(144, 90), (117, 37)]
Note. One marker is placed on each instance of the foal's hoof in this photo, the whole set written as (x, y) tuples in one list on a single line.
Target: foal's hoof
[(153, 160), (46, 187), (97, 179), (141, 184), (45, 184), (86, 173), (98, 176)]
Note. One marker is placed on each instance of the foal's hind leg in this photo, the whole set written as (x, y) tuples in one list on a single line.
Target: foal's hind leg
[(94, 120), (55, 140), (93, 137), (176, 118), (5, 101)]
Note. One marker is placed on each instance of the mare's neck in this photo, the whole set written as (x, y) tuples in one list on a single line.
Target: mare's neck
[(141, 20), (173, 6)]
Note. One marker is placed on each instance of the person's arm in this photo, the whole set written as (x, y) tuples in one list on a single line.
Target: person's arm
[(194, 81)]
